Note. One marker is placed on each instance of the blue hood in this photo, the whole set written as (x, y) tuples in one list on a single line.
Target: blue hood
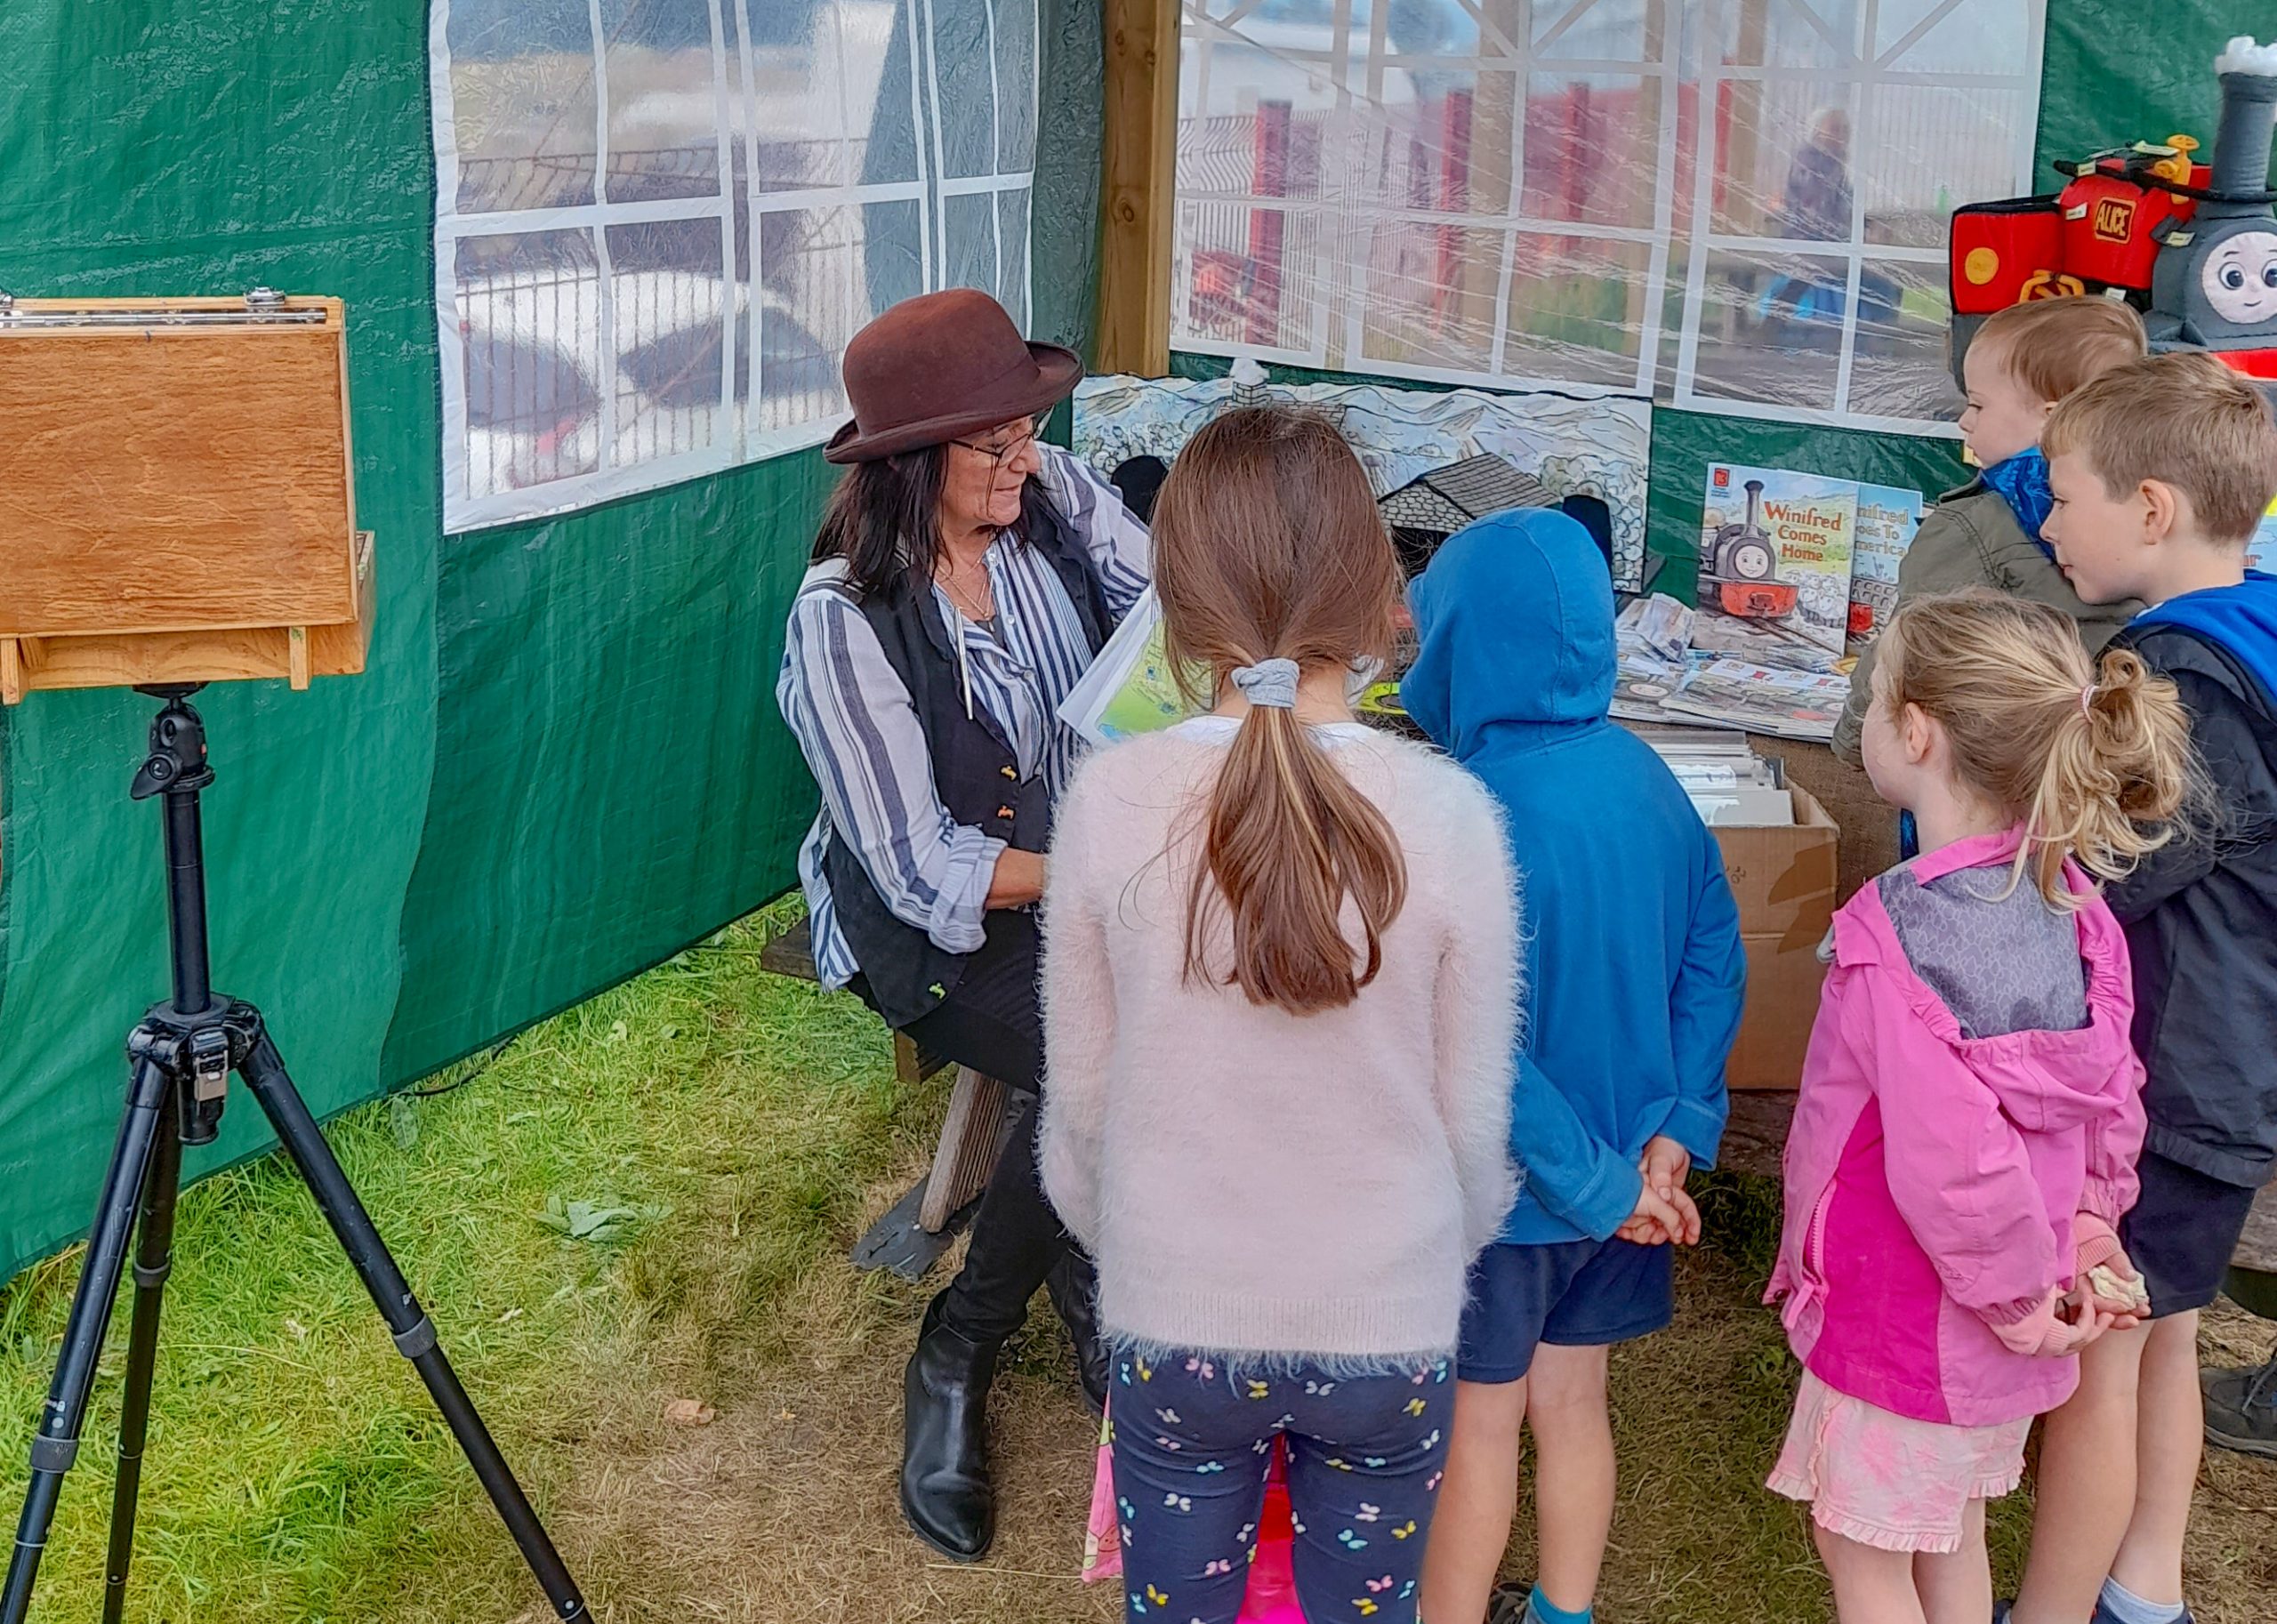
[(2241, 618), (1513, 621)]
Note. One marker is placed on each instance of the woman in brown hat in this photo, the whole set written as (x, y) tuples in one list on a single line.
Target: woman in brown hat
[(965, 577)]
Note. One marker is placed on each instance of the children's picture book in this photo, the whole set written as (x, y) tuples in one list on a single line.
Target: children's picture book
[(2261, 552), (1774, 566), (1794, 705), (1130, 688), (1888, 518), (1643, 687)]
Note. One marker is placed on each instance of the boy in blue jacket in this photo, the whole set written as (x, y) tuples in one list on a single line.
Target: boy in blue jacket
[(1634, 976)]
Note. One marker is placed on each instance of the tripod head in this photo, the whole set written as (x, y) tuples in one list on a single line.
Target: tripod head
[(177, 762)]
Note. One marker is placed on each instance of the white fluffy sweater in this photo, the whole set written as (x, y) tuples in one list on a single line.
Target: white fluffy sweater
[(1256, 1183)]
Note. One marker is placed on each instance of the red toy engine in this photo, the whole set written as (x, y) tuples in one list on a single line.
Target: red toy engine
[(2192, 245), (2094, 236)]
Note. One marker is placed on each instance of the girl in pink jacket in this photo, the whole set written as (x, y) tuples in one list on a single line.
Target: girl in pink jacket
[(1964, 1139)]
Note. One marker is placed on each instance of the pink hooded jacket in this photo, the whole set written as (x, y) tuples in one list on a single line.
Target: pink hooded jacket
[(1931, 1178)]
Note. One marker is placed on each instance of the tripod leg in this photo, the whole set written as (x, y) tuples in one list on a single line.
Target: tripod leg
[(414, 1334), (56, 1444), (153, 1259)]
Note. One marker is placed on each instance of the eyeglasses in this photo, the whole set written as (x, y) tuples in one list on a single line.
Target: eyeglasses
[(1003, 454)]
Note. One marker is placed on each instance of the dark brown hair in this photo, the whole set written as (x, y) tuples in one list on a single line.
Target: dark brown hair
[(2092, 757), (2183, 419), (2053, 346), (884, 518), (1268, 545)]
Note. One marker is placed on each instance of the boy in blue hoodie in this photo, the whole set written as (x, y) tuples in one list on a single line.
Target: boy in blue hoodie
[(1633, 980), (2160, 471)]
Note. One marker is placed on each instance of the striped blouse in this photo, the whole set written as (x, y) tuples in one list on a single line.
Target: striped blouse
[(859, 730)]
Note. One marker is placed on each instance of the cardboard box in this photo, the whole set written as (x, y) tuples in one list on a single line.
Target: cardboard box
[(1783, 879)]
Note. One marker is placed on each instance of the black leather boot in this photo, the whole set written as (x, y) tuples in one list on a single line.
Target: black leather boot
[(1074, 1288), (945, 1489)]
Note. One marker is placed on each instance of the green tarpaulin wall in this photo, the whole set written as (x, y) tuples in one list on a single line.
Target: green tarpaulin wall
[(564, 763)]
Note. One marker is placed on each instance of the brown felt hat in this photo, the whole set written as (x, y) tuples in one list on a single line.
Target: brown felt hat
[(941, 366)]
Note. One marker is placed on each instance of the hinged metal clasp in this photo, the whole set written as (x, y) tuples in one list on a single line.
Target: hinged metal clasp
[(209, 1062)]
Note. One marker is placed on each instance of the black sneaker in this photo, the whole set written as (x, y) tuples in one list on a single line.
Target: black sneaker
[(1510, 1605), (2241, 1408)]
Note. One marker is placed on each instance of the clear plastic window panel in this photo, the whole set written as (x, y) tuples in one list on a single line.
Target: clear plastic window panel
[(1732, 204), (661, 222)]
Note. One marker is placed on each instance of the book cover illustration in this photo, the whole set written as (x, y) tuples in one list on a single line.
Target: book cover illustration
[(1888, 518), (2261, 549), (1774, 566), (1131, 687)]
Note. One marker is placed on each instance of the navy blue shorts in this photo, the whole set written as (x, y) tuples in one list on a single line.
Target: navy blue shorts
[(1568, 1293), (2181, 1232)]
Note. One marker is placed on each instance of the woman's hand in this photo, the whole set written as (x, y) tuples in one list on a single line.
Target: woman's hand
[(1019, 880)]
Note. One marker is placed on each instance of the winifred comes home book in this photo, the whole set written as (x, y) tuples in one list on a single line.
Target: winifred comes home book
[(1774, 565)]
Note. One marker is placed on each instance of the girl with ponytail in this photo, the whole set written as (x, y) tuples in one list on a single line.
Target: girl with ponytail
[(1280, 992), (1965, 1141)]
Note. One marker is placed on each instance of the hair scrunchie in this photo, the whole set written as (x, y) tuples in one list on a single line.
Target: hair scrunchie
[(1269, 684)]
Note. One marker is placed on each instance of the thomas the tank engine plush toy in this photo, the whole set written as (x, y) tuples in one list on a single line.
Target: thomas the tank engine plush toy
[(2192, 245)]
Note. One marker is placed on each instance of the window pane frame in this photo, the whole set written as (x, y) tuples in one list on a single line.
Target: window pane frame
[(740, 207)]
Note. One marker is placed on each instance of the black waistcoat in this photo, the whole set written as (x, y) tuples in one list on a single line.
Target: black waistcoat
[(975, 771)]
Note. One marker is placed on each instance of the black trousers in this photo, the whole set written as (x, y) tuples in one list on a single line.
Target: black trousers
[(994, 1023)]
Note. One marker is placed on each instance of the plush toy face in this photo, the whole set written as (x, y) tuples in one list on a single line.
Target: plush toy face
[(2241, 278)]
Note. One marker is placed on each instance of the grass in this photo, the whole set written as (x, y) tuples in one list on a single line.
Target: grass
[(749, 1127)]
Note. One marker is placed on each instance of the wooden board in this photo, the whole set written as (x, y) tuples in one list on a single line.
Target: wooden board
[(1141, 161), (168, 479), (127, 660), (972, 1139)]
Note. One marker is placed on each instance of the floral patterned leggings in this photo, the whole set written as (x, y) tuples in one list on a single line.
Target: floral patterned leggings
[(1192, 1440)]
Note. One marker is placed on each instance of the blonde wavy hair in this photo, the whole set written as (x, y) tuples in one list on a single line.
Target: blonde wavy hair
[(2093, 758)]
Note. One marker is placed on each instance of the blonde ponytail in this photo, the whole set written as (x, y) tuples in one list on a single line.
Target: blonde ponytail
[(2093, 759), (1268, 545)]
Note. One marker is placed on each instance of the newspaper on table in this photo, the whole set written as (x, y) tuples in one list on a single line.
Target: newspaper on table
[(1794, 705), (1651, 638), (1888, 518), (1130, 688)]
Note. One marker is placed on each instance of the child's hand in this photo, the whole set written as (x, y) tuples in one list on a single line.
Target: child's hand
[(1665, 1165), (2105, 1278), (1657, 1222), (2045, 1333)]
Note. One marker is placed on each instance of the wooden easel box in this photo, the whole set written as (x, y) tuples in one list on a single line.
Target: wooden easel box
[(176, 500)]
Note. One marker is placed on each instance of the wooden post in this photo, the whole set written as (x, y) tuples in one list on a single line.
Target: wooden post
[(1140, 186), (1267, 228), (971, 1137)]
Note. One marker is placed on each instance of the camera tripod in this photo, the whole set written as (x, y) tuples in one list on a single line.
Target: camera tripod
[(181, 1055)]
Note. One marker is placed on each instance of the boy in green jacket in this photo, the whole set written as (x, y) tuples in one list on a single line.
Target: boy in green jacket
[(2023, 361)]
